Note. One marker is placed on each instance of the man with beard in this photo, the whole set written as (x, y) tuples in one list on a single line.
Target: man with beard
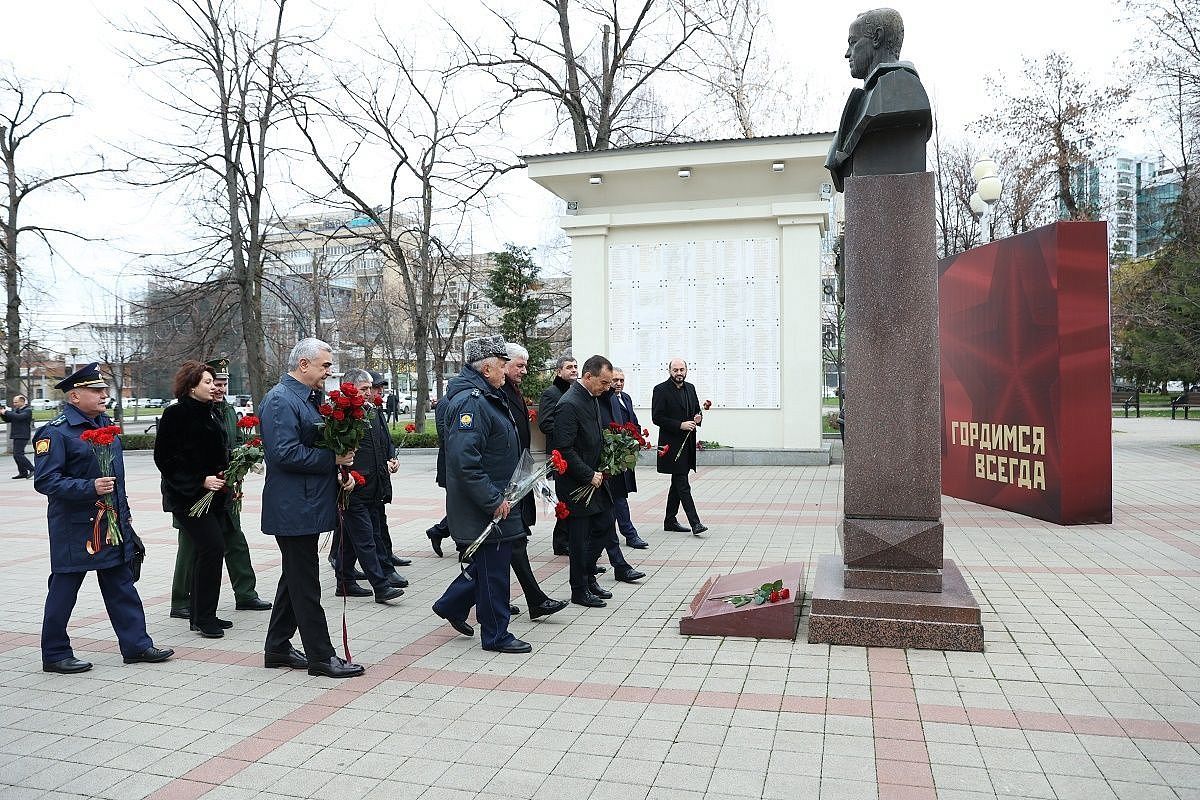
[(540, 604), (566, 370), (675, 409)]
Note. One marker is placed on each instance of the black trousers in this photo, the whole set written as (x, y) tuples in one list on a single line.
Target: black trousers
[(18, 454), (524, 572), (207, 538), (681, 494), (298, 601), (586, 539), (559, 539), (379, 517), (358, 544)]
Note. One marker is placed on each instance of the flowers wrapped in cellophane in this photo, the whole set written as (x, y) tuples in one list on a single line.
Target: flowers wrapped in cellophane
[(244, 459), (527, 477)]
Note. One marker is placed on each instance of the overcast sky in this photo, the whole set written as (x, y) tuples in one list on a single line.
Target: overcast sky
[(953, 45)]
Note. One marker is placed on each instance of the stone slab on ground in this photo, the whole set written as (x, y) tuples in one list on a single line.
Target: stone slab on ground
[(710, 614)]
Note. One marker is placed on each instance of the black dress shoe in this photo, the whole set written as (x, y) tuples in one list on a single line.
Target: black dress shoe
[(21, 478), (595, 589), (699, 528), (388, 593), (181, 613), (546, 608), (351, 589), (630, 576), (514, 610), (590, 600), (435, 540), (515, 646), (396, 579), (561, 553), (397, 561), (599, 569), (293, 659), (335, 668), (151, 655), (637, 542), (459, 625), (356, 574), (674, 526), (209, 630), (67, 666), (253, 604)]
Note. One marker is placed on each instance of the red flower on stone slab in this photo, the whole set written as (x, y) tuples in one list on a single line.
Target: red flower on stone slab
[(410, 428), (561, 511)]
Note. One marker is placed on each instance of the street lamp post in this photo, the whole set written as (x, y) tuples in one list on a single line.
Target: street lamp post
[(987, 191)]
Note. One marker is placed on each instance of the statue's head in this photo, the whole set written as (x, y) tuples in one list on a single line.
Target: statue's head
[(875, 38)]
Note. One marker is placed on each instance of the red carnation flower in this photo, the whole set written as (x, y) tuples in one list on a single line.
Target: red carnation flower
[(410, 428), (533, 415), (645, 431), (255, 442), (359, 480), (662, 451), (558, 462), (707, 405), (248, 421), (338, 414), (325, 409), (612, 426), (561, 511)]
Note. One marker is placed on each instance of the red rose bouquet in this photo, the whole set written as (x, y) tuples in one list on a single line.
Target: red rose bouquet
[(619, 454), (244, 459), (101, 440), (343, 428)]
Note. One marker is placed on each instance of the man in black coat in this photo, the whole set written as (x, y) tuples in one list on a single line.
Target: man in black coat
[(393, 408), (577, 437), (566, 370), (621, 408), (20, 422), (675, 409), (618, 486), (540, 604)]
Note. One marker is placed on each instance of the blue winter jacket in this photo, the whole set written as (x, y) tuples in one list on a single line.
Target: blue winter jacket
[(300, 493), (65, 471), (482, 451)]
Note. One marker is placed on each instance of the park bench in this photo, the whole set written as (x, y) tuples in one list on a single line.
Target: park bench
[(1127, 398), (1185, 401)]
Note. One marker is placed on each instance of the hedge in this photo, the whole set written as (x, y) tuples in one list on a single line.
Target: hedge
[(137, 441), (411, 440)]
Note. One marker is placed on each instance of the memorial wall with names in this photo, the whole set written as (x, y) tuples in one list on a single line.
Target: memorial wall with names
[(715, 303)]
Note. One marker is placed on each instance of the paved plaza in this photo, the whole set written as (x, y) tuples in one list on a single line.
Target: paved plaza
[(1089, 688)]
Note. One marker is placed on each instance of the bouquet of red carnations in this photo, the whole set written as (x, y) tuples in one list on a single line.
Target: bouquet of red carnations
[(101, 440), (524, 480), (619, 454), (344, 426), (244, 459)]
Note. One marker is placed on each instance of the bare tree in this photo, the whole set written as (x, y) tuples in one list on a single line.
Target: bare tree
[(957, 228), (600, 82), (26, 112), (1168, 53), (741, 77), (431, 166), (224, 79), (1057, 121)]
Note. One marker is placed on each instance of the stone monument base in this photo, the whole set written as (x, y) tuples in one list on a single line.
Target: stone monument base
[(945, 620), (710, 615)]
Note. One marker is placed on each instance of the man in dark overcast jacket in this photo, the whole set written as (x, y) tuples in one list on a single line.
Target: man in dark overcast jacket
[(565, 372)]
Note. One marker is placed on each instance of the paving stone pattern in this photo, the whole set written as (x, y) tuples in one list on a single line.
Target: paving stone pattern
[(1089, 688)]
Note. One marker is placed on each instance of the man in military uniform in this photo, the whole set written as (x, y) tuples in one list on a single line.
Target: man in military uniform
[(237, 552), (482, 451), (67, 472)]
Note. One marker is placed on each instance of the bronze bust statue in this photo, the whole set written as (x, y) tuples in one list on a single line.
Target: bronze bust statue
[(887, 122)]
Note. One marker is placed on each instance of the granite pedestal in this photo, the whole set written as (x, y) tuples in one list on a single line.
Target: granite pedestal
[(892, 587)]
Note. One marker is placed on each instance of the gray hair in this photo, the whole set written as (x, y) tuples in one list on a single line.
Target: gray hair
[(479, 364), (516, 351), (356, 376), (308, 348), (565, 358)]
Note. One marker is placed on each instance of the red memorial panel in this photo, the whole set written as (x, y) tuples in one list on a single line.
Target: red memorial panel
[(1026, 383)]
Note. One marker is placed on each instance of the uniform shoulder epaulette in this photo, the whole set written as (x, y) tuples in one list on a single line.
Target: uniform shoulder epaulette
[(59, 420), (476, 393)]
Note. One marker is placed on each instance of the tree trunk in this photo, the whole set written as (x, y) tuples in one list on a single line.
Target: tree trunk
[(12, 272)]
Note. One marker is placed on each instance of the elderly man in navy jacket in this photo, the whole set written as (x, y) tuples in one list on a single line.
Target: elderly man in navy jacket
[(482, 451), (299, 503), (68, 473)]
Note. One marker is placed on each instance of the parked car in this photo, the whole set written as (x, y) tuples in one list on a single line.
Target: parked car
[(154, 402), (242, 405), (43, 404)]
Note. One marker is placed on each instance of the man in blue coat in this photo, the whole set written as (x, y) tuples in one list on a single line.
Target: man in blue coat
[(299, 503), (68, 473), (482, 451), (621, 406)]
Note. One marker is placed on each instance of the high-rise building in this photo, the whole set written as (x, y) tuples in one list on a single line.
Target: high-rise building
[(1107, 189), (1156, 198)]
